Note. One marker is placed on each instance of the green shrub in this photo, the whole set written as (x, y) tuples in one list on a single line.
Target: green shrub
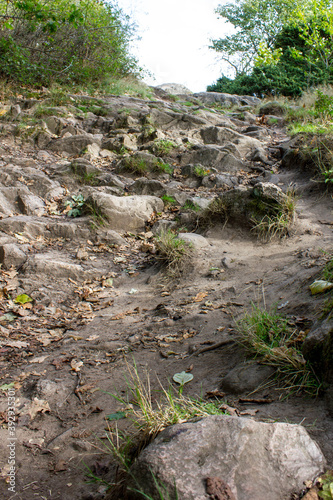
[(63, 41), (189, 205)]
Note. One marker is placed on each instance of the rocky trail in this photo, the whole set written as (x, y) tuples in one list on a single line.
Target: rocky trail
[(85, 187)]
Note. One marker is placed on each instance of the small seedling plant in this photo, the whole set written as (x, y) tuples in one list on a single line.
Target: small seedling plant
[(75, 205)]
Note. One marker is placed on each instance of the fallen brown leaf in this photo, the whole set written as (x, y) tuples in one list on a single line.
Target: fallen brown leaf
[(199, 296)]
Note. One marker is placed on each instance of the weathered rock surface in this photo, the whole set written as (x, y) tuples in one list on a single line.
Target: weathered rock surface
[(174, 88), (226, 100), (318, 349), (125, 213), (75, 144), (194, 240), (246, 378), (256, 460)]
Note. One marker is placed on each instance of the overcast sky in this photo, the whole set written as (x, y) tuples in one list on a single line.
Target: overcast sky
[(175, 35)]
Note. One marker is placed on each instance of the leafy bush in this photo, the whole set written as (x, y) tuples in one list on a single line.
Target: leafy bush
[(63, 40), (324, 104), (296, 69)]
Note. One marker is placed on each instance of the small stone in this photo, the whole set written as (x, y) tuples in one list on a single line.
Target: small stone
[(11, 255), (82, 254)]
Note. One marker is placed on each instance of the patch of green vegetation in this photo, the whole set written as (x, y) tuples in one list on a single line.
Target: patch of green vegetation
[(92, 108), (161, 167), (272, 339), (76, 205), (200, 171), (149, 412), (58, 96), (42, 110), (96, 215), (326, 484), (135, 165), (129, 85), (163, 147), (173, 253), (189, 205), (310, 128), (168, 200), (327, 272), (90, 179), (216, 212), (313, 114), (327, 308), (277, 220)]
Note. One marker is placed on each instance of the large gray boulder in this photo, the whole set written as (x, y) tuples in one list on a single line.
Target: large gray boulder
[(75, 144), (124, 213), (258, 461)]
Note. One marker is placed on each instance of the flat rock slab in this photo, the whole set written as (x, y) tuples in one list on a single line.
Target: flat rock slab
[(125, 213), (258, 461)]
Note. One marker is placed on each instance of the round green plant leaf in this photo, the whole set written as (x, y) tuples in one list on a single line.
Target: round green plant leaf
[(182, 378), (320, 286), (23, 299), (116, 416)]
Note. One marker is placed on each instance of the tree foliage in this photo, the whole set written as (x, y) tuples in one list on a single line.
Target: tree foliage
[(256, 24), (298, 55), (42, 41)]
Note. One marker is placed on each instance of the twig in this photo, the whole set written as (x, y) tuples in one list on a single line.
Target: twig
[(76, 390), (213, 347), (56, 437)]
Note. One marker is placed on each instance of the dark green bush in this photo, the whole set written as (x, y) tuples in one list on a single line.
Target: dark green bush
[(296, 70)]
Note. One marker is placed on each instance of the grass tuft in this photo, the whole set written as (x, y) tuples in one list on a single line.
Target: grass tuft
[(150, 412), (174, 254), (270, 337), (278, 220), (216, 212)]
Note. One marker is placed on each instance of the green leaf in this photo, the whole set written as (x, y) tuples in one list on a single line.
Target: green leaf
[(75, 212), (23, 299), (116, 416), (182, 378), (320, 286), (5, 387)]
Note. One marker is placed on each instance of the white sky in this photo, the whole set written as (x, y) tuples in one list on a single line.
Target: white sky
[(175, 35)]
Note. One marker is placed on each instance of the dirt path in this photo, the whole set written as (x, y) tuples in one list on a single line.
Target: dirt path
[(72, 356)]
